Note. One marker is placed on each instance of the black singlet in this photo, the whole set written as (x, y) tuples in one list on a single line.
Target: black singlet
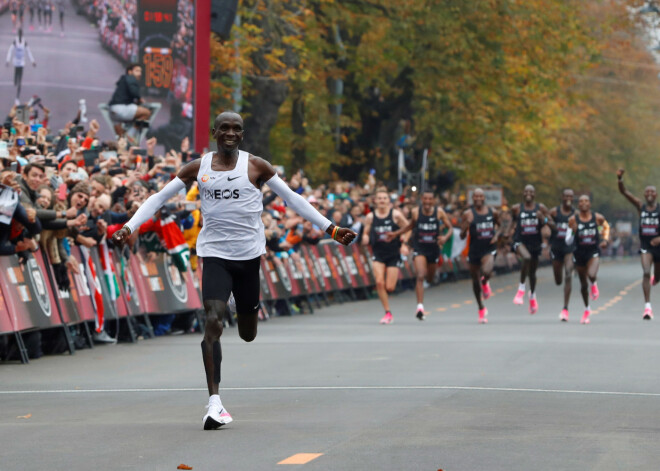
[(586, 237), (482, 231), (558, 239), (528, 229), (379, 228), (427, 230), (649, 226)]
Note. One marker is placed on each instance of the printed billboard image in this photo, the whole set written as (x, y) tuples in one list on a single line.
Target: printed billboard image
[(63, 56)]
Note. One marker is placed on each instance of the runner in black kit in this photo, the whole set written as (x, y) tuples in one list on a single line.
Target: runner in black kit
[(426, 221), (583, 228), (483, 224), (387, 255), (232, 239), (528, 219), (562, 254), (649, 238)]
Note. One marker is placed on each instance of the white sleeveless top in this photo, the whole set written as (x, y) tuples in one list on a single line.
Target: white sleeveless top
[(231, 212)]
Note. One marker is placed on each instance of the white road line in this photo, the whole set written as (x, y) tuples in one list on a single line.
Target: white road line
[(339, 388), (86, 88)]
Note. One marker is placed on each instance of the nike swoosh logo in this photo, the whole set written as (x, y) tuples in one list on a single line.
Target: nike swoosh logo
[(230, 179)]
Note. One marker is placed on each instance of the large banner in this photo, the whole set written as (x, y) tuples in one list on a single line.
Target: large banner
[(5, 321), (75, 61), (27, 293)]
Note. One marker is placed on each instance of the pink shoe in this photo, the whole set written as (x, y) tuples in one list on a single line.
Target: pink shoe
[(585, 317), (594, 292), (520, 297), (648, 314), (485, 290), (652, 280), (387, 318), (533, 306), (482, 316), (563, 315)]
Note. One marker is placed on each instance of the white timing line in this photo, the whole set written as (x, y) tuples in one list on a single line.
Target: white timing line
[(337, 388)]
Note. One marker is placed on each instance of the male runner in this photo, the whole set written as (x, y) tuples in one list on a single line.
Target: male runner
[(528, 219), (18, 49), (583, 228), (426, 221), (562, 254), (483, 224), (649, 238), (231, 241), (383, 219)]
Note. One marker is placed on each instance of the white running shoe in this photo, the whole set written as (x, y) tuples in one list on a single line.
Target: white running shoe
[(216, 415)]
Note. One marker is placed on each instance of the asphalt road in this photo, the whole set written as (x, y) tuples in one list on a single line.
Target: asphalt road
[(69, 67), (520, 393)]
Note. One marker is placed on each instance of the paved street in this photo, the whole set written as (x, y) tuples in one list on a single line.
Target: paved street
[(68, 68), (521, 393)]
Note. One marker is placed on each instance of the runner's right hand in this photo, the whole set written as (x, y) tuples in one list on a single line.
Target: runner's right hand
[(121, 236)]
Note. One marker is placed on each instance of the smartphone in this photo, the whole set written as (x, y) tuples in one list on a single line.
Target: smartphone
[(108, 154), (190, 205), (169, 169), (23, 114), (14, 167), (20, 142), (35, 127), (50, 138), (90, 156), (142, 152)]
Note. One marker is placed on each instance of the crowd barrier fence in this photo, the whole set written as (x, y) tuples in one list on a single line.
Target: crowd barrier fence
[(123, 287)]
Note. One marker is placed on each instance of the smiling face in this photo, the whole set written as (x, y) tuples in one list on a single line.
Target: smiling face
[(650, 195), (428, 200), (529, 193), (228, 131), (478, 198), (44, 198), (584, 203)]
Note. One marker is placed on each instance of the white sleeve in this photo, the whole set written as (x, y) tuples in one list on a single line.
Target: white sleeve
[(154, 203), (10, 52), (569, 236), (298, 203)]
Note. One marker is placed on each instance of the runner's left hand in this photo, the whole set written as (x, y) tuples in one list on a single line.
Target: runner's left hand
[(603, 244), (345, 236)]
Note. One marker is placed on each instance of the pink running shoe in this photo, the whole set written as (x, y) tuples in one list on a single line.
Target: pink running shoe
[(652, 280), (533, 306), (648, 314), (485, 290), (563, 315), (520, 297), (387, 318), (594, 292), (482, 316), (585, 317)]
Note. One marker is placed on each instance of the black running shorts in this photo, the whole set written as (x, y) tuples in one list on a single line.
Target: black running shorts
[(582, 257), (558, 253), (220, 277), (648, 248), (475, 255), (534, 251), (432, 253), (389, 259)]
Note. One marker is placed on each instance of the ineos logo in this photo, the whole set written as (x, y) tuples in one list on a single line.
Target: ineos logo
[(220, 194), (39, 286)]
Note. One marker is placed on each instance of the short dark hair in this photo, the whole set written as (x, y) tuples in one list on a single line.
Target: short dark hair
[(132, 65), (29, 167)]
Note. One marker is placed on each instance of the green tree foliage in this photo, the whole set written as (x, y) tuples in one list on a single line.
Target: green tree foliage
[(547, 92)]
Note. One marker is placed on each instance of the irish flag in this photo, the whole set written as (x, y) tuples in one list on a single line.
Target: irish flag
[(94, 286), (109, 271)]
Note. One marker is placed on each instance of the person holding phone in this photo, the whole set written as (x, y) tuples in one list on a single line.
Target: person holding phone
[(231, 240), (126, 104)]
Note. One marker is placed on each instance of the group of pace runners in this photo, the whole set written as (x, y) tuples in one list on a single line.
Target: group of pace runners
[(232, 241), (577, 237)]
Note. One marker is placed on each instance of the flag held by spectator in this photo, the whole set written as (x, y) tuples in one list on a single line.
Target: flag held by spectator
[(94, 286)]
